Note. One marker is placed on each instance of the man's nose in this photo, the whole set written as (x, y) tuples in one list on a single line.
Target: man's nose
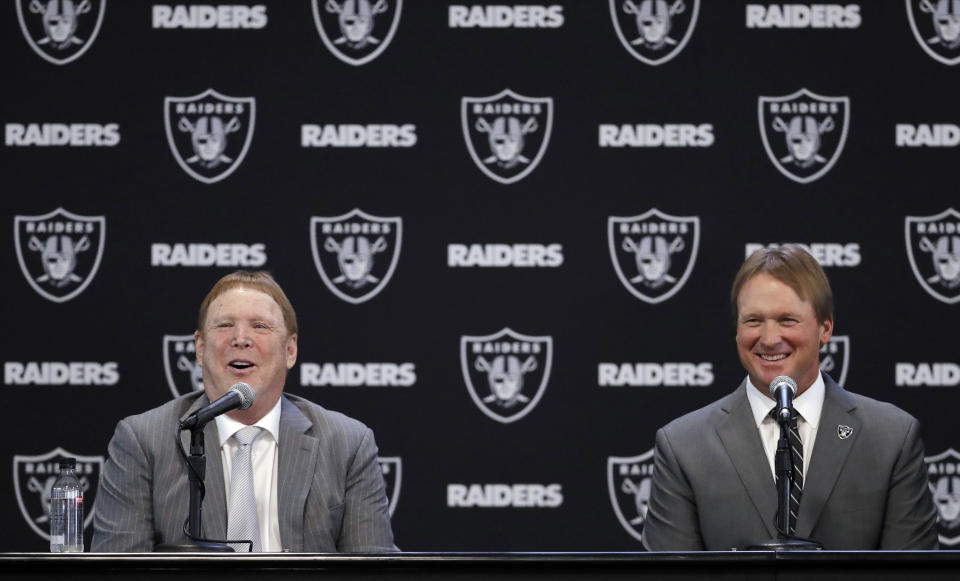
[(769, 334), (241, 336)]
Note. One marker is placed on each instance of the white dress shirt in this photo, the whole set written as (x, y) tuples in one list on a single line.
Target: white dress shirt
[(808, 404), (264, 458)]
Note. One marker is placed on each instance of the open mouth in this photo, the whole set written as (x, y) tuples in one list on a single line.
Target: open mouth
[(773, 357), (239, 364)]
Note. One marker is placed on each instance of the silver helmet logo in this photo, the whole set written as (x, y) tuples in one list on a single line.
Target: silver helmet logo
[(60, 31), (356, 31)]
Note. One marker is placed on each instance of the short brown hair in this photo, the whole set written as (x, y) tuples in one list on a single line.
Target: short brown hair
[(259, 280), (793, 266)]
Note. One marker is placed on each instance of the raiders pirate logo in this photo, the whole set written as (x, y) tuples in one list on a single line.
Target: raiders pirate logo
[(653, 253), (629, 480), (507, 133), (59, 252), (654, 31), (933, 247), (357, 31), (356, 253), (209, 133), (506, 373), (936, 26), (803, 132), (943, 471), (392, 469), (844, 432), (60, 31), (835, 358), (184, 374), (33, 478)]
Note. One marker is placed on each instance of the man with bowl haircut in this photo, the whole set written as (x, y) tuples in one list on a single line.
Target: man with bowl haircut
[(316, 483), (863, 477)]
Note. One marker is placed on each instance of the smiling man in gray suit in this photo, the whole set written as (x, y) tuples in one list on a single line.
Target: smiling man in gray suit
[(864, 483), (315, 480)]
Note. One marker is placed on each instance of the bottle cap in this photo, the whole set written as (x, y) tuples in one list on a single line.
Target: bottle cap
[(69, 463)]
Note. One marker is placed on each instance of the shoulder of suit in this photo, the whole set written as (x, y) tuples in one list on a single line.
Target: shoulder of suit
[(170, 411), (709, 413), (324, 418), (873, 408)]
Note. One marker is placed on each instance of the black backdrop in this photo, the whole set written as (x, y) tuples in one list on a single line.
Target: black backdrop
[(575, 442)]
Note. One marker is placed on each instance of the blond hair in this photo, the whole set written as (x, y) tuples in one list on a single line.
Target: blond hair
[(259, 280), (793, 266)]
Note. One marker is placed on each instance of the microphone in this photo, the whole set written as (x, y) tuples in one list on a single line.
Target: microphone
[(240, 396), (783, 389)]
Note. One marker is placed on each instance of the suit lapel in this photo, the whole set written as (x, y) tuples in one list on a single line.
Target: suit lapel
[(829, 454), (298, 459), (214, 518), (741, 440)]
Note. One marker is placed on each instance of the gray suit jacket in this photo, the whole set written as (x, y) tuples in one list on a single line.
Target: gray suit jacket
[(330, 491), (713, 490)]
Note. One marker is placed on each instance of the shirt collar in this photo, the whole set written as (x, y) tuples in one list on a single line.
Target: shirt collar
[(227, 427), (809, 403)]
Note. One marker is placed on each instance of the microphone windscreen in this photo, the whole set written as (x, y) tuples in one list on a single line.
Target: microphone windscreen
[(245, 392), (791, 385)]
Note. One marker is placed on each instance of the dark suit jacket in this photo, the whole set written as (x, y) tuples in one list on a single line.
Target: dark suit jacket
[(713, 489), (330, 491)]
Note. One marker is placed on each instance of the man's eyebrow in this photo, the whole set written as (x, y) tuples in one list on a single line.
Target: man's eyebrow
[(777, 315)]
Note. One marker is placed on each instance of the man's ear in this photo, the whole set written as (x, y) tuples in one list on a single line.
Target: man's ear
[(198, 344), (291, 348), (826, 331)]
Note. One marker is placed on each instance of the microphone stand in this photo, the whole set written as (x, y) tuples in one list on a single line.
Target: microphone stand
[(197, 469), (783, 464)]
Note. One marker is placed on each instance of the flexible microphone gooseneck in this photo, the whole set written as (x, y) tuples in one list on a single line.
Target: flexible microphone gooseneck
[(240, 396)]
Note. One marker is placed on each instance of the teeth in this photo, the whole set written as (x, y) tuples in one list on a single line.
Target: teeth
[(241, 364), (773, 357)]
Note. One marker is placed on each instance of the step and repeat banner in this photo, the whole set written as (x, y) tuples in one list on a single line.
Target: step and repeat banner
[(509, 230)]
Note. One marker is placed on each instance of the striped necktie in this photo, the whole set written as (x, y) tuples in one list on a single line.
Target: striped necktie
[(796, 457), (242, 521)]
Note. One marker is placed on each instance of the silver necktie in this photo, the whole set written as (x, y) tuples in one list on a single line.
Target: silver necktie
[(796, 459), (242, 522), (796, 455)]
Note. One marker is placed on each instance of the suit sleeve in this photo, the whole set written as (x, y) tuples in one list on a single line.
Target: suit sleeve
[(366, 518), (910, 518), (672, 522), (123, 515)]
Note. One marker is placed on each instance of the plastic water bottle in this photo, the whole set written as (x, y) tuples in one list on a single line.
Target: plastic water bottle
[(66, 511)]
